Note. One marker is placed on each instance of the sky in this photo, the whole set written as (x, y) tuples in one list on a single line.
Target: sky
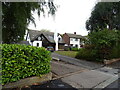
[(70, 17)]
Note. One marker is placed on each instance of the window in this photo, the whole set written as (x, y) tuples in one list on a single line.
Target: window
[(58, 39), (38, 44), (71, 39), (76, 45), (39, 38), (76, 39)]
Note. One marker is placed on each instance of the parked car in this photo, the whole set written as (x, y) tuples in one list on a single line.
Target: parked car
[(50, 48)]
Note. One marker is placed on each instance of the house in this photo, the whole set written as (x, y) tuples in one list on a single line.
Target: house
[(73, 39), (23, 42), (44, 39)]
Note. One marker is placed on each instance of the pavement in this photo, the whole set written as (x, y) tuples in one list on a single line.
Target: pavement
[(84, 74)]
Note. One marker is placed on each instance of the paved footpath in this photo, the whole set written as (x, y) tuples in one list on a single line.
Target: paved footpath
[(86, 75)]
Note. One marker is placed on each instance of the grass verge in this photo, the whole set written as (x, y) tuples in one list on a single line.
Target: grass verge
[(67, 53)]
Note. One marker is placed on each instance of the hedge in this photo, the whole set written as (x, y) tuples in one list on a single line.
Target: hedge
[(21, 61)]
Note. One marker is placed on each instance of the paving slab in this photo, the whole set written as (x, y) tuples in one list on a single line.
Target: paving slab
[(62, 68), (87, 79), (109, 70)]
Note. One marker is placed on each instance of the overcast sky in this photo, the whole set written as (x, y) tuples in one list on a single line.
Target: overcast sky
[(70, 17)]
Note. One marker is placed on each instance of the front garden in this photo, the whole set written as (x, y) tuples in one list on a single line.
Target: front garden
[(99, 46), (21, 61)]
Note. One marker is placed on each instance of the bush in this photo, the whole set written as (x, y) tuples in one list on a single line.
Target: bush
[(21, 61), (101, 45), (74, 49), (115, 52), (88, 54)]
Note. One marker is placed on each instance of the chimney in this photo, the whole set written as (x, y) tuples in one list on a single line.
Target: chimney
[(74, 32)]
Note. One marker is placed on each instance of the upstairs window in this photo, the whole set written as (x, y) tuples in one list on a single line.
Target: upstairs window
[(71, 39), (59, 39), (76, 39)]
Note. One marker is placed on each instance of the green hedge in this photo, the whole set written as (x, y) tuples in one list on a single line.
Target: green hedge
[(21, 61)]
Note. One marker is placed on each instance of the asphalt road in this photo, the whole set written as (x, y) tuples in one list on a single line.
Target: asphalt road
[(115, 85)]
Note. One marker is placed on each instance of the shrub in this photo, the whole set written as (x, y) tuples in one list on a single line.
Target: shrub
[(21, 61), (101, 45), (88, 54), (74, 49), (115, 52)]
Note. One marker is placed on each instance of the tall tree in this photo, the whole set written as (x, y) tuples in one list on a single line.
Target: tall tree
[(17, 15), (104, 15)]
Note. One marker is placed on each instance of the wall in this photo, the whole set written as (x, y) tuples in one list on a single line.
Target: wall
[(66, 38), (75, 42), (35, 43)]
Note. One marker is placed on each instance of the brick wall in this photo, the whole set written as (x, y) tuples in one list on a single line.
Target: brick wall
[(66, 38)]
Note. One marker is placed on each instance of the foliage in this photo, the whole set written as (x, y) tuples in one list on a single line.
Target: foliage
[(17, 15), (21, 61), (87, 54), (74, 49), (104, 14), (101, 45)]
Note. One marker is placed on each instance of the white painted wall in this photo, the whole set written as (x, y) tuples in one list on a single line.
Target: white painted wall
[(35, 43), (74, 42)]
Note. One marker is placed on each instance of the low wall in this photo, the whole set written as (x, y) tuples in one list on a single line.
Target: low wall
[(111, 61), (29, 81)]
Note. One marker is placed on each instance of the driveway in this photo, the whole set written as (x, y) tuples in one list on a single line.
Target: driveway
[(77, 62)]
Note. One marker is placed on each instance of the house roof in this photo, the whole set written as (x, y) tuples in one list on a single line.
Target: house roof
[(74, 35), (24, 42), (49, 35)]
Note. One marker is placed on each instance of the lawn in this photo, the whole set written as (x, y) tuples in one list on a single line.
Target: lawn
[(67, 53)]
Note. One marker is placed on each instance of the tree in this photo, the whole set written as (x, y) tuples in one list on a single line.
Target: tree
[(104, 15), (17, 15)]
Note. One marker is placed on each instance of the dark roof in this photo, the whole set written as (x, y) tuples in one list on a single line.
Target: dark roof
[(74, 35), (24, 42), (33, 34), (49, 35)]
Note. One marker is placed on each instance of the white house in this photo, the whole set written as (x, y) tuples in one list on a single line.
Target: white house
[(73, 39), (44, 39)]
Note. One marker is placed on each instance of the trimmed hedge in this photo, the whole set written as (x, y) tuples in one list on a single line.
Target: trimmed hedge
[(21, 61)]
